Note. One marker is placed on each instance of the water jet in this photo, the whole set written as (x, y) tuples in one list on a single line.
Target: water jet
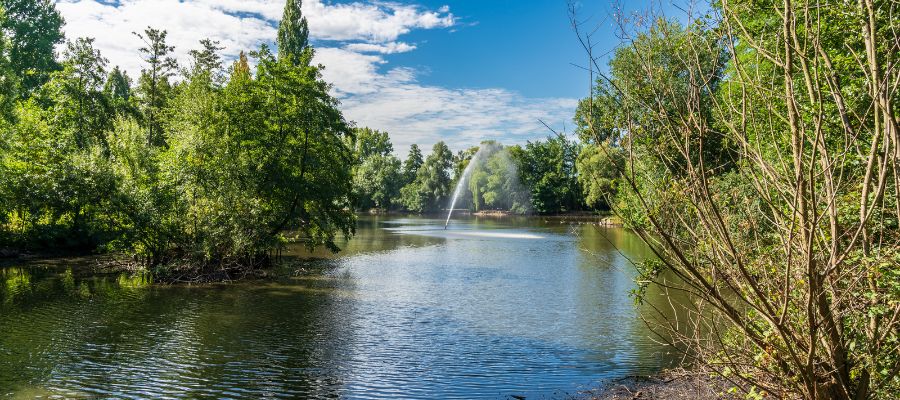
[(462, 180)]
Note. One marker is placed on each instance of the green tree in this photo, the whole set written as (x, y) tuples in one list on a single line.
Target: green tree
[(9, 81), (429, 192), (652, 73), (599, 118), (763, 186), (307, 178), (598, 168), (75, 94), (548, 169), (412, 164), (495, 183), (153, 85), (462, 159), (118, 91), (293, 32), (206, 60), (376, 182), (34, 28), (54, 188), (369, 142), (376, 173)]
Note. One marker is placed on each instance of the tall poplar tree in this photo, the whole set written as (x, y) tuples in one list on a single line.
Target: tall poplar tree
[(293, 33)]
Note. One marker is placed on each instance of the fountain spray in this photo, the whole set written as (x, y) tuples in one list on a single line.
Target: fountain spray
[(462, 182)]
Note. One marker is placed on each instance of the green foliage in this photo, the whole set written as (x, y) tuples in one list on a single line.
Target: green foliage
[(548, 169), (154, 88), (376, 182), (34, 28), (494, 181), (756, 153), (599, 167), (216, 175), (293, 33), (53, 188), (75, 97), (411, 165), (206, 61), (376, 175), (9, 81), (599, 118), (117, 90), (431, 188), (369, 142)]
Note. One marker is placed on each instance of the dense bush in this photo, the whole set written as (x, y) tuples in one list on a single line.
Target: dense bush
[(761, 147)]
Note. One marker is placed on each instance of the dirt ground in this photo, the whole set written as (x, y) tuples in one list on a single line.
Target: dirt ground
[(668, 385)]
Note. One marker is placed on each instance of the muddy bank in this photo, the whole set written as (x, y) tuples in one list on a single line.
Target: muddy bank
[(676, 384)]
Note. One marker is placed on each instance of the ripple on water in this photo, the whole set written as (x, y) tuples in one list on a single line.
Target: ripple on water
[(477, 316)]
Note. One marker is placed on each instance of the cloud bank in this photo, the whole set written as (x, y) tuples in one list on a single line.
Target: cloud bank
[(352, 41)]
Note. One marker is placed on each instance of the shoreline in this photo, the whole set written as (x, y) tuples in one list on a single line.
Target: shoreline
[(120, 262), (576, 217), (670, 384)]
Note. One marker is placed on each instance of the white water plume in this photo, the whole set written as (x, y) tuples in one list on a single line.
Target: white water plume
[(462, 181)]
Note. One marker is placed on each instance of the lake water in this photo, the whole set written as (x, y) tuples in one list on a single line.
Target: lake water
[(486, 309)]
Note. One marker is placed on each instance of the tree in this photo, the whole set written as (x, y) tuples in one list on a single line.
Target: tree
[(548, 169), (412, 164), (215, 179), (598, 117), (376, 182), (791, 251), (496, 182), (293, 32), (431, 188), (117, 90), (34, 28), (376, 173), (369, 142), (9, 81), (76, 97), (206, 60), (598, 171), (153, 84), (307, 178)]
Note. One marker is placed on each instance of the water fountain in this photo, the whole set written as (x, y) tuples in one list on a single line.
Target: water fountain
[(462, 181)]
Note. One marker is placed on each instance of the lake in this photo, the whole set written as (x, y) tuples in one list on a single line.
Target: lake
[(489, 308)]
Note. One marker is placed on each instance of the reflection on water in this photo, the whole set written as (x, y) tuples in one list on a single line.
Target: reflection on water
[(485, 309)]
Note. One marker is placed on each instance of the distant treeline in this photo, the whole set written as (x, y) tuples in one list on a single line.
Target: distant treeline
[(555, 175)]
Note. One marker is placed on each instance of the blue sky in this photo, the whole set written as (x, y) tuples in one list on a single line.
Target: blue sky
[(460, 71)]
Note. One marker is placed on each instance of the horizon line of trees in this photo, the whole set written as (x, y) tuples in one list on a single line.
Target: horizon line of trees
[(550, 176)]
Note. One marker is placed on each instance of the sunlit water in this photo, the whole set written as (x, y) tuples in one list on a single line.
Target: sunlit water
[(486, 309)]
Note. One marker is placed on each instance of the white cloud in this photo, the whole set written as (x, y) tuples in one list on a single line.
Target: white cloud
[(352, 40), (387, 48), (240, 24), (397, 102)]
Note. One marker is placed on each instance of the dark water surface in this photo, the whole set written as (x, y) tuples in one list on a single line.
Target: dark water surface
[(487, 309)]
